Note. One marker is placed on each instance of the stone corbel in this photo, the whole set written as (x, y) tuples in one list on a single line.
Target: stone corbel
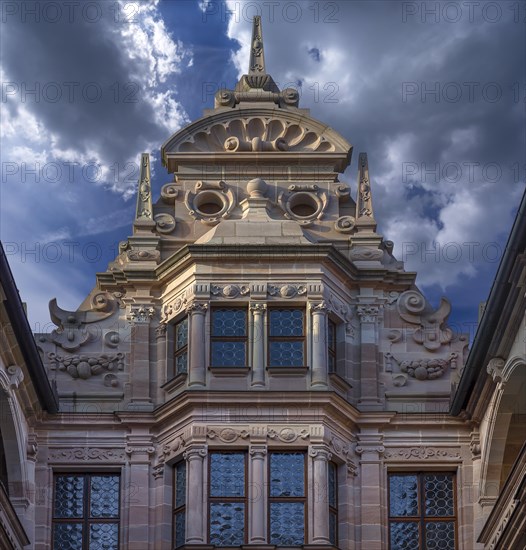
[(495, 368)]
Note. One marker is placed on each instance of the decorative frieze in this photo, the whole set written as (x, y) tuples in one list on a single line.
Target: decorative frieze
[(229, 290), (421, 453), (227, 435), (87, 454), (86, 366), (287, 290)]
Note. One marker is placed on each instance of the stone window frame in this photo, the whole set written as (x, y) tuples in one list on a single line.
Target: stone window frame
[(85, 520), (210, 499), (421, 518), (332, 346), (306, 491), (304, 338), (214, 306)]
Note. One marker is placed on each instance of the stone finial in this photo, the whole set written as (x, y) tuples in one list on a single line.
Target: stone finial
[(364, 202), (257, 54), (257, 85), (144, 210)]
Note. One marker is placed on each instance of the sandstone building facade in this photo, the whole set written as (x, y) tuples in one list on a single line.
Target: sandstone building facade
[(257, 370)]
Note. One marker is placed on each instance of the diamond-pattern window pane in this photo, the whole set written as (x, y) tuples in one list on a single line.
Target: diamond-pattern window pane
[(69, 496), (287, 475), (403, 495), (333, 528), (104, 496), (229, 322), (67, 536), (227, 475), (179, 529), (103, 536), (439, 500), (181, 363), (229, 354), (440, 535), (333, 484), (286, 322), (180, 484), (404, 536), (227, 523), (181, 334), (286, 354), (287, 523)]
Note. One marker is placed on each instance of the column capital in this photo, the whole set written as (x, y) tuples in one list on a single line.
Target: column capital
[(160, 331), (258, 451), (368, 313), (258, 307), (319, 307), (198, 308), (195, 452), (320, 452)]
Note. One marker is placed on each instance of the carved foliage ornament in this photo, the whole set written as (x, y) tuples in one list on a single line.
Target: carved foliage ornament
[(287, 290)]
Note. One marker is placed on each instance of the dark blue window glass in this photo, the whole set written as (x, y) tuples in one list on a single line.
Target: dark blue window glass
[(229, 337)]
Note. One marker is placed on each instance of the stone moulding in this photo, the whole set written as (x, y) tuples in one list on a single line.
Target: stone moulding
[(87, 454), (421, 453)]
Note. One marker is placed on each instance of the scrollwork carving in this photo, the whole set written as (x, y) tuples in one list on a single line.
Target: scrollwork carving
[(87, 454), (421, 453), (345, 224), (229, 290), (287, 290)]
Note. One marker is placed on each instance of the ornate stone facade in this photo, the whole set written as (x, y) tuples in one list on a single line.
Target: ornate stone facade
[(256, 312)]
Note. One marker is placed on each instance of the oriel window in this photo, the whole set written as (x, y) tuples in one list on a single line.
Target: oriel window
[(286, 337)]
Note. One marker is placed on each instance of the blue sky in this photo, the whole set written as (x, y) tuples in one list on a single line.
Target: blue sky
[(432, 91)]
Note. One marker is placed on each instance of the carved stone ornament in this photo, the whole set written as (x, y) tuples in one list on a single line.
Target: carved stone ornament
[(229, 290), (258, 133), (287, 435), (71, 333), (432, 334), (423, 369), (16, 375), (364, 253), (174, 306), (227, 435), (368, 313), (287, 290), (303, 203), (164, 223), (140, 313), (169, 193), (421, 453), (112, 339), (210, 202), (342, 310), (86, 454), (143, 255), (345, 224), (495, 367), (86, 366)]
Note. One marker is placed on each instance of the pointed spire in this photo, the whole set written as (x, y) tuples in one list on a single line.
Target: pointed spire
[(364, 201), (144, 210), (257, 53)]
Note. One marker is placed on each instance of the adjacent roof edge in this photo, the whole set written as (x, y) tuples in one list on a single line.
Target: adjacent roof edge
[(493, 312), (22, 331)]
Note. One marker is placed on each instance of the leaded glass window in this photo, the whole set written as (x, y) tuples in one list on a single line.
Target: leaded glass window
[(86, 512), (422, 511), (227, 498), (179, 520), (286, 337), (287, 498), (331, 345), (229, 337), (181, 346), (333, 503)]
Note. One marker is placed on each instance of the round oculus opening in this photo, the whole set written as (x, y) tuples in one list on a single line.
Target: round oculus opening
[(209, 203), (303, 205)]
